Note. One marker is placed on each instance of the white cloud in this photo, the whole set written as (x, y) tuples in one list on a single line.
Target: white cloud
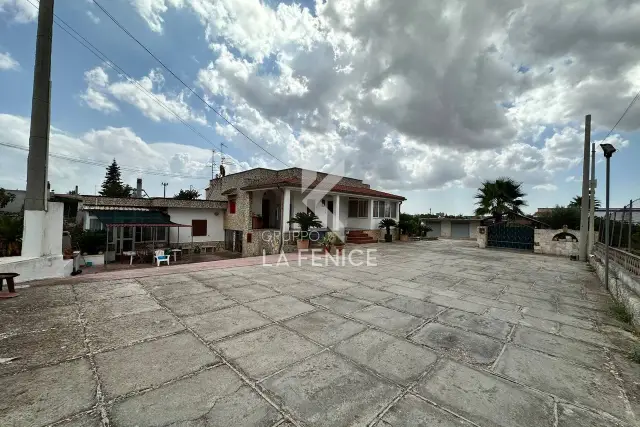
[(93, 17), (103, 145), (19, 10), (545, 187), (145, 94), (151, 11), (573, 179), (7, 62)]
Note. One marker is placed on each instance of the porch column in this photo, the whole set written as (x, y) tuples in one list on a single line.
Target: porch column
[(286, 209), (338, 226)]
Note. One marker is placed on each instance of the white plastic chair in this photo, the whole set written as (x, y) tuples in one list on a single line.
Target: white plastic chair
[(161, 257)]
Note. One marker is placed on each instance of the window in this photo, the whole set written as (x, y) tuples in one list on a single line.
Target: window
[(387, 210), (161, 234), (394, 209), (95, 224), (198, 227), (232, 206), (378, 209), (358, 208)]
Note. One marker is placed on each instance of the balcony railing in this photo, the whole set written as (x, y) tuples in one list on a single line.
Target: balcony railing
[(628, 261)]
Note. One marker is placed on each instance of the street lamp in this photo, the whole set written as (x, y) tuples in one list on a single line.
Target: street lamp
[(608, 150)]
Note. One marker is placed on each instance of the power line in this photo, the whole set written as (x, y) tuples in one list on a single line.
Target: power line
[(115, 21), (104, 58), (633, 101), (92, 162)]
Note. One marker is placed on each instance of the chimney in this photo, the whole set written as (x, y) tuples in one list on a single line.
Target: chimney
[(139, 188)]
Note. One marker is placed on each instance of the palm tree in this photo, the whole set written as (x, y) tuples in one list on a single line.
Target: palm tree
[(576, 202), (500, 197)]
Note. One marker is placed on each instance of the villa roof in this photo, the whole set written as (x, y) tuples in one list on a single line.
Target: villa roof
[(297, 183)]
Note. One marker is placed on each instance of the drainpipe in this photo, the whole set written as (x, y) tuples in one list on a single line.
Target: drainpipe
[(281, 219)]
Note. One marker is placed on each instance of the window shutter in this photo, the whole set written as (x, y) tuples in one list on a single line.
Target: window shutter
[(198, 227)]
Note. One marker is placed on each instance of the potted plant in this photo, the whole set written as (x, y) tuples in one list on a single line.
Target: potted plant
[(388, 223), (326, 243), (257, 222), (405, 229), (305, 220), (337, 242)]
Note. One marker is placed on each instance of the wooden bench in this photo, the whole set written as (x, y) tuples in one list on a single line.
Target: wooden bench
[(10, 284)]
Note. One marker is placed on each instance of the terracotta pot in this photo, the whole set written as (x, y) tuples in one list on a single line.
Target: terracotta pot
[(302, 244)]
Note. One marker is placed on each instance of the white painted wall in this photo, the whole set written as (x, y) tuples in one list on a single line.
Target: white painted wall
[(215, 224), (30, 268), (42, 235)]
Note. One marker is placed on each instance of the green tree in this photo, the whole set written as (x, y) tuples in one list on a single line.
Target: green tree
[(306, 220), (6, 197), (500, 197), (576, 202), (112, 185), (560, 216), (191, 194)]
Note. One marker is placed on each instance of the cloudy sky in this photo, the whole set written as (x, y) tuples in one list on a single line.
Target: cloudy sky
[(424, 98)]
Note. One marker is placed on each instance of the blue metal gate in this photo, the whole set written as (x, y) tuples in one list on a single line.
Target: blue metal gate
[(510, 235)]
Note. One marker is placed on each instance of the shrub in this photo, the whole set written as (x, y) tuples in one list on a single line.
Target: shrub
[(93, 242)]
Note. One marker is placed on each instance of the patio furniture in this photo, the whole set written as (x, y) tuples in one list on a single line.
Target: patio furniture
[(161, 257), (130, 254), (174, 252), (10, 285)]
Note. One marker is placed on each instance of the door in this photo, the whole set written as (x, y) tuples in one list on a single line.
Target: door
[(266, 213), (460, 230), (330, 214), (435, 227), (510, 235)]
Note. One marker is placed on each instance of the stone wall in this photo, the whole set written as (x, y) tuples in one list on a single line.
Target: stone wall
[(156, 202), (543, 242), (624, 287), (379, 233), (267, 240)]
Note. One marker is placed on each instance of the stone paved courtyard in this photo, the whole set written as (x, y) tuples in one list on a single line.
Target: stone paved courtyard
[(439, 333)]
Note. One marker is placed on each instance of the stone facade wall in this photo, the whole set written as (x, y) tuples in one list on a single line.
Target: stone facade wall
[(543, 243), (218, 245), (379, 233), (157, 202), (267, 240)]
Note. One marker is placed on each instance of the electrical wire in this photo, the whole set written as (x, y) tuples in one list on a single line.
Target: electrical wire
[(92, 162), (114, 66), (115, 21), (633, 101)]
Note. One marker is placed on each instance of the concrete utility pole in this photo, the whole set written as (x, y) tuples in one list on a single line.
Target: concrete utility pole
[(35, 203), (630, 223), (164, 189), (592, 200), (584, 216)]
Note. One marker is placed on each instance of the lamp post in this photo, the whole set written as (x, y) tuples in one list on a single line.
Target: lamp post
[(608, 150)]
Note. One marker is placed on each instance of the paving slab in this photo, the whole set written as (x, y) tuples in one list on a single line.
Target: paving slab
[(280, 307), (218, 324), (629, 372), (249, 293), (333, 283), (486, 289), (575, 311), (475, 323), (91, 419), (19, 321), (520, 319), (459, 344), (265, 351), (537, 294), (574, 383), (558, 317), (274, 280), (471, 307), (163, 279), (41, 348), (326, 390), (324, 327), (173, 290), (151, 363), (340, 303), (528, 302), (188, 305), (408, 292), (490, 302), (226, 282), (104, 290), (413, 411), (368, 294), (104, 310), (38, 297), (484, 398), (388, 319), (573, 416), (391, 357), (125, 330), (212, 273), (45, 395), (299, 289), (214, 397), (413, 306), (586, 354)]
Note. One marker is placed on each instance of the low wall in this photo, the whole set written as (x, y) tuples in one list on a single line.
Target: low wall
[(267, 240), (623, 286), (566, 243), (481, 236), (379, 233), (36, 268)]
